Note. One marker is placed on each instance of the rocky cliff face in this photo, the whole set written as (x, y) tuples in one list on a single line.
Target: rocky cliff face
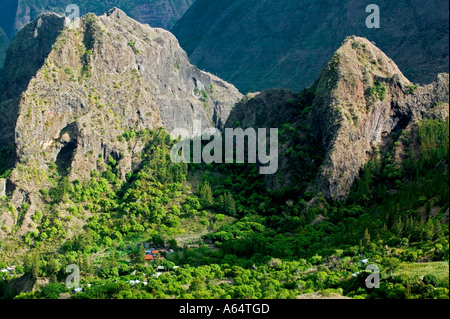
[(27, 54), (70, 102), (2, 187), (259, 45), (359, 102), (104, 76), (158, 13), (361, 99)]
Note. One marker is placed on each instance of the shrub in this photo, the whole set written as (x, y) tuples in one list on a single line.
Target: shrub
[(378, 91), (431, 280)]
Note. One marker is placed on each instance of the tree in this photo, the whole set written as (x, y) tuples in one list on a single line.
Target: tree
[(196, 285), (141, 255), (206, 195), (391, 263), (32, 265), (397, 228), (274, 263), (366, 239), (173, 244), (159, 240), (53, 290), (86, 265), (36, 266), (430, 229), (227, 204), (431, 279), (53, 266), (438, 230)]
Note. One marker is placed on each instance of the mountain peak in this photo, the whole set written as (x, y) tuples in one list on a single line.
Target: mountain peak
[(94, 84), (298, 33), (49, 16), (358, 52), (116, 12), (361, 98)]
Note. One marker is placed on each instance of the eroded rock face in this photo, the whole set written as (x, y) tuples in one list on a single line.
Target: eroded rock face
[(358, 102), (106, 76), (362, 97), (159, 13), (26, 56), (16, 14)]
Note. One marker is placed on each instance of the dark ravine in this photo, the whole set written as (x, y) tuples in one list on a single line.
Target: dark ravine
[(258, 45)]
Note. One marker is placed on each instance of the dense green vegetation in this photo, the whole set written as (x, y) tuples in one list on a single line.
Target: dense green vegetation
[(249, 242)]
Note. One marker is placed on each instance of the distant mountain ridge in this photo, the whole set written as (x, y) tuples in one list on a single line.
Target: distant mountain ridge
[(258, 45)]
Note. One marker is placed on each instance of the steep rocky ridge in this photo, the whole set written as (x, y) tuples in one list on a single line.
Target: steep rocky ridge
[(16, 14), (104, 76), (26, 56), (109, 75), (258, 45), (361, 99), (352, 111)]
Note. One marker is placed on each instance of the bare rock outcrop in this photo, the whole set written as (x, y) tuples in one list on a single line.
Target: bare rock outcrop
[(104, 76), (361, 98)]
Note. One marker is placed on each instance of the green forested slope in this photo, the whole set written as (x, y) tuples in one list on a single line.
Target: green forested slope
[(394, 217)]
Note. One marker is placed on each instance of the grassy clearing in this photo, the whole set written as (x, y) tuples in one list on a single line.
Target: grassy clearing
[(197, 226), (416, 270)]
